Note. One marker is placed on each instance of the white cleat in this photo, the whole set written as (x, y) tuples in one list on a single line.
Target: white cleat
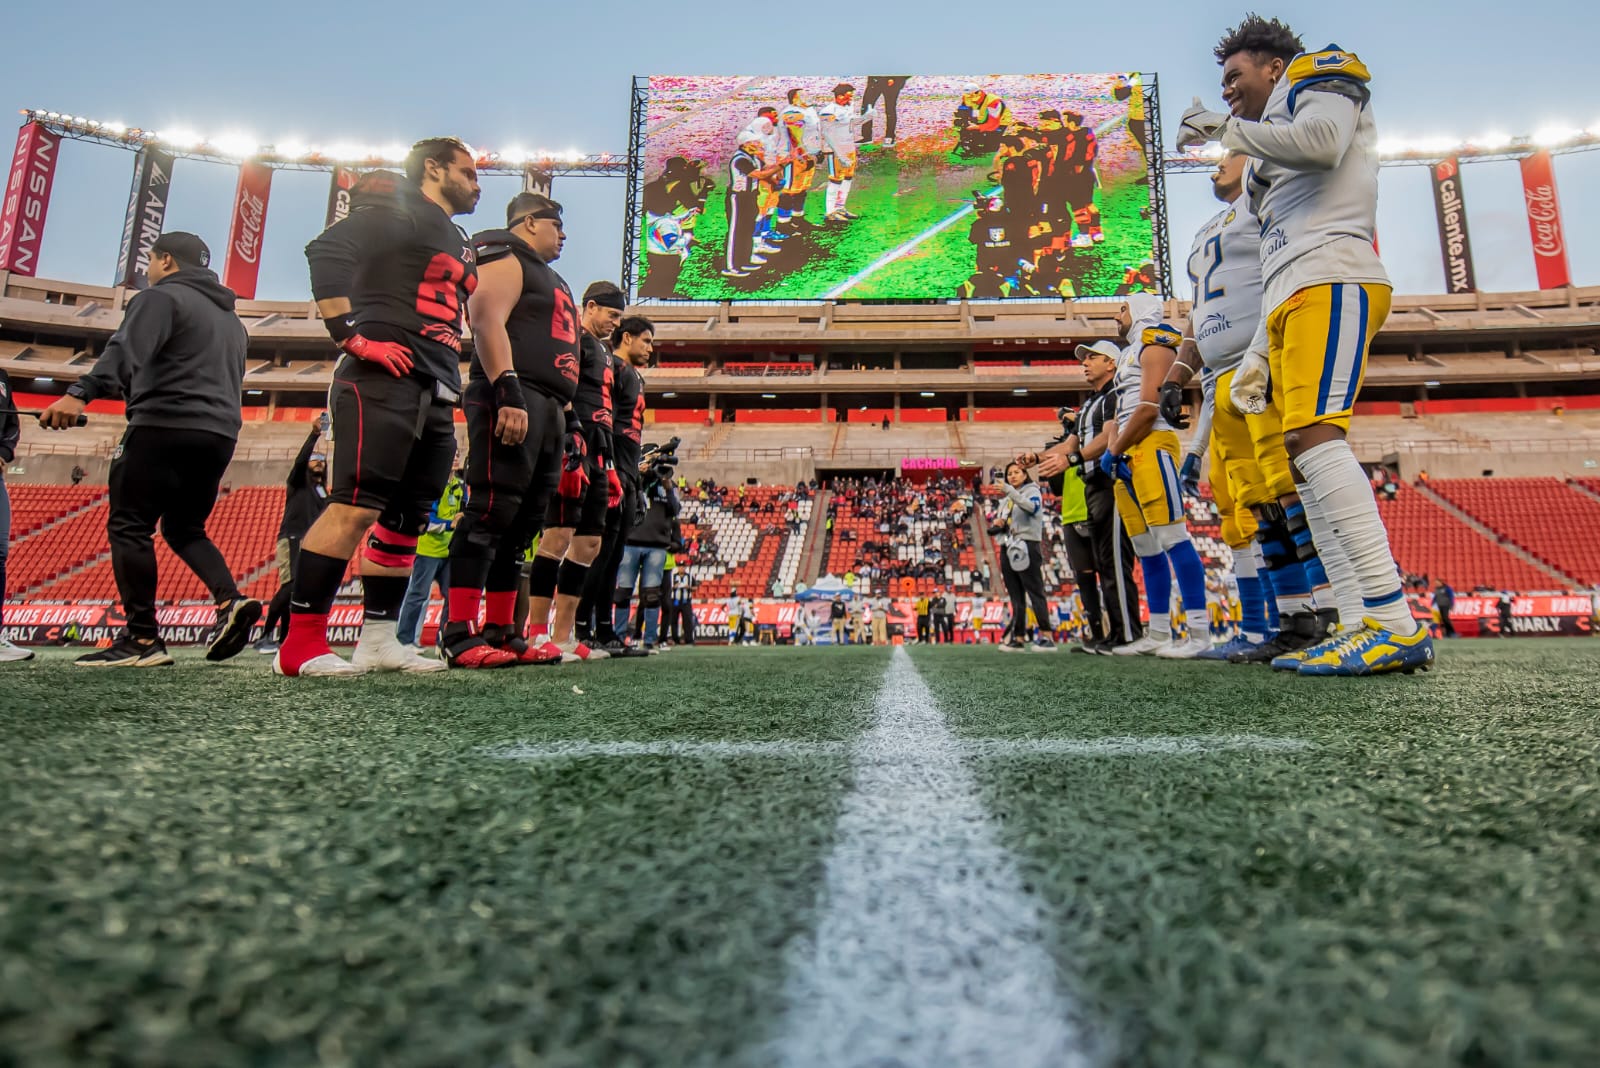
[(326, 666), (380, 650), (1185, 650), (1143, 647), (13, 654), (572, 651)]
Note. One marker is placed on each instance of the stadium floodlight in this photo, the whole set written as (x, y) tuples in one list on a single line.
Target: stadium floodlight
[(514, 156), (392, 153), (1492, 141), (1551, 136), (180, 137), (292, 148), (235, 143)]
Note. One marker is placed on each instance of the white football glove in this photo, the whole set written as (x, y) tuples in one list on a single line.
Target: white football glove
[(1199, 126), (1252, 383)]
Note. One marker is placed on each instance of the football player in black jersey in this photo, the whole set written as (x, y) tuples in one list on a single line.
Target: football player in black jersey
[(391, 281), (576, 521), (632, 342), (519, 425)]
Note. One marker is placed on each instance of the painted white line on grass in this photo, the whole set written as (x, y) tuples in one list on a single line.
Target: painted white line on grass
[(573, 750), (928, 950), (1132, 745)]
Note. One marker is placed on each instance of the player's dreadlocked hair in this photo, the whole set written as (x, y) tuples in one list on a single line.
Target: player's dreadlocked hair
[(1262, 38)]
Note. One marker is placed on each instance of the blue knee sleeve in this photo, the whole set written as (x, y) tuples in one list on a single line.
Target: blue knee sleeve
[(1191, 575), (1269, 594), (1314, 572), (1157, 584), (1290, 580), (1252, 607)]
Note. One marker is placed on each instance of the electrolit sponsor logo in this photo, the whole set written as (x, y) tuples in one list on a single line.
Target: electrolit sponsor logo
[(1213, 324), (1274, 242)]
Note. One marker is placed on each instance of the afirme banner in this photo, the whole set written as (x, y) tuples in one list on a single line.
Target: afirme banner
[(344, 180), (33, 171), (243, 264), (147, 214), (1450, 209), (1544, 221)]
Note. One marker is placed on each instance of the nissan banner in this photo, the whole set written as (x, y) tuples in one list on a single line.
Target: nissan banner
[(1451, 212), (33, 171), (243, 264), (147, 213)]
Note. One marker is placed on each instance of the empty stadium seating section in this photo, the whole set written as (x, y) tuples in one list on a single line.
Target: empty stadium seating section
[(1429, 540), (742, 544), (1543, 516)]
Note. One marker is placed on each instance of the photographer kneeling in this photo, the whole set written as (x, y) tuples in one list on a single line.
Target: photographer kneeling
[(1020, 526), (644, 560)]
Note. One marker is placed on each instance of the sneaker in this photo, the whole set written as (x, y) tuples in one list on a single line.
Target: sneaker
[(379, 649), (766, 248), (756, 260), (1372, 650), (848, 216), (1042, 645), (572, 651), (461, 646), (13, 654), (1188, 650), (1145, 646), (326, 666), (266, 646), (1013, 647), (835, 217), (734, 274), (652, 650), (128, 651), (1292, 660), (1240, 644), (235, 619), (1301, 630)]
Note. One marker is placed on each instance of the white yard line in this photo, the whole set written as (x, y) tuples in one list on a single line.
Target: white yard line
[(928, 950), (575, 750)]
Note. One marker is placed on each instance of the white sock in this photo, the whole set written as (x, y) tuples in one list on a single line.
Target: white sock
[(832, 198), (1160, 627), (1199, 623), (1343, 496), (844, 192), (1335, 561)]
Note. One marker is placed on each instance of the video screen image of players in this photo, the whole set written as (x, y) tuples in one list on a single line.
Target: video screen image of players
[(900, 186)]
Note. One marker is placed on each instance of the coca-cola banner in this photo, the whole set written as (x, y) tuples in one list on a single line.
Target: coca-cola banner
[(1544, 221), (33, 171), (344, 180), (1451, 211), (147, 213), (244, 235)]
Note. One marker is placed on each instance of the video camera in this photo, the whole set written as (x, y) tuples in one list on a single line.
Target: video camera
[(1069, 424), (660, 461)]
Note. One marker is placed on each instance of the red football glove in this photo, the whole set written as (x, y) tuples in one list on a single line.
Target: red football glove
[(574, 478), (613, 487), (390, 355)]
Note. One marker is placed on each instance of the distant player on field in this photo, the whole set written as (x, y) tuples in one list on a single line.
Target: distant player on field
[(839, 122)]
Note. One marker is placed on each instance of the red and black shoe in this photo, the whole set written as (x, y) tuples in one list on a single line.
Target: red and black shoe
[(505, 639), (464, 647)]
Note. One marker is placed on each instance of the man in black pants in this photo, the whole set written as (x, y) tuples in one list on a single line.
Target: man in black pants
[(632, 342), (178, 359), (520, 429), (576, 520), (885, 87), (1113, 550), (306, 496), (391, 281)]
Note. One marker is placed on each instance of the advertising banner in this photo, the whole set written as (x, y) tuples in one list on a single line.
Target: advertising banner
[(147, 213), (344, 180), (244, 233), (1544, 221), (33, 172), (1451, 212), (895, 186)]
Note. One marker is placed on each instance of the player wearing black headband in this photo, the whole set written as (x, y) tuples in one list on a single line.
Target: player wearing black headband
[(391, 281), (576, 520), (520, 427)]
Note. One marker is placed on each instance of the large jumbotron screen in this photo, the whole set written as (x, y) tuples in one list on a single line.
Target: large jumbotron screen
[(877, 187)]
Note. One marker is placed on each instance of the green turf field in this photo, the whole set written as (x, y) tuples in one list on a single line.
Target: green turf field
[(1172, 863)]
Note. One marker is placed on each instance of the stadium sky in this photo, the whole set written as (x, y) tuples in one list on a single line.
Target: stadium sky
[(557, 76)]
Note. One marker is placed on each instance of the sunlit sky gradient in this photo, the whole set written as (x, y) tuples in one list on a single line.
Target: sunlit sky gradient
[(546, 75)]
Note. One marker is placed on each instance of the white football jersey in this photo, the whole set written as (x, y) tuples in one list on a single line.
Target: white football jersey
[(839, 122), (1225, 269), (1317, 225), (803, 128), (1147, 329)]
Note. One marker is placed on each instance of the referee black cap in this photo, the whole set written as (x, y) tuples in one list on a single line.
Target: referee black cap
[(187, 249)]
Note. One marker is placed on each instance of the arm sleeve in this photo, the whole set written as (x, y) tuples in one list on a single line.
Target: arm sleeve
[(336, 253), (144, 330), (297, 473), (1316, 139), (1028, 502), (1208, 410)]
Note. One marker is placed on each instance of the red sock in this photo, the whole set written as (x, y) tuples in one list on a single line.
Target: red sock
[(307, 639), (500, 607), (464, 605)]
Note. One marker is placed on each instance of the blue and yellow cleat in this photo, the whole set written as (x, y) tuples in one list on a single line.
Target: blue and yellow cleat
[(1241, 644), (1292, 660), (1372, 650)]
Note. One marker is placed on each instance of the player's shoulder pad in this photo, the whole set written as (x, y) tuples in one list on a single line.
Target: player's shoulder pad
[(1162, 334), (1331, 70), (489, 251)]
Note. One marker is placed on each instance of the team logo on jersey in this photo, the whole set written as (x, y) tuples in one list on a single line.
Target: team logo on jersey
[(1330, 59), (1233, 213), (1213, 324), (467, 254), (567, 364)]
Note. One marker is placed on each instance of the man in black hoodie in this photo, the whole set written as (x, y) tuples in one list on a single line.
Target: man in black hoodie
[(520, 430), (178, 360), (391, 282)]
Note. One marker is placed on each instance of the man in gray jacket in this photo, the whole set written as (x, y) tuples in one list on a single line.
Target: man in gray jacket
[(178, 361)]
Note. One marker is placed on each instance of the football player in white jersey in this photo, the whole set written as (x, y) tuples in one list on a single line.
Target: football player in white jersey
[(1143, 458), (1251, 478), (1312, 181), (802, 129), (840, 123)]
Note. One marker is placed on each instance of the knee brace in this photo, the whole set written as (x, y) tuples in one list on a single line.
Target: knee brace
[(1299, 528), (1170, 535), (650, 597), (622, 597), (1274, 537), (390, 548), (1147, 544), (570, 578)]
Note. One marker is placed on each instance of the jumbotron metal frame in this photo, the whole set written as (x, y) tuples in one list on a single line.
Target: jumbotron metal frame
[(1157, 164), (633, 202)]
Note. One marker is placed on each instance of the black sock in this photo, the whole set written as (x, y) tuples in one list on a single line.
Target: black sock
[(316, 582), (542, 577), (381, 596)]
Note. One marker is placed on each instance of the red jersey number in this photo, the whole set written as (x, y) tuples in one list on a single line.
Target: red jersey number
[(564, 319), (439, 295)]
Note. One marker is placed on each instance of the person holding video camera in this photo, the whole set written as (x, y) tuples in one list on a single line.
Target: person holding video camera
[(644, 559)]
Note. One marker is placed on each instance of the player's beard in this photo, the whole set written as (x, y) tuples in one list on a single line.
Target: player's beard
[(463, 201)]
